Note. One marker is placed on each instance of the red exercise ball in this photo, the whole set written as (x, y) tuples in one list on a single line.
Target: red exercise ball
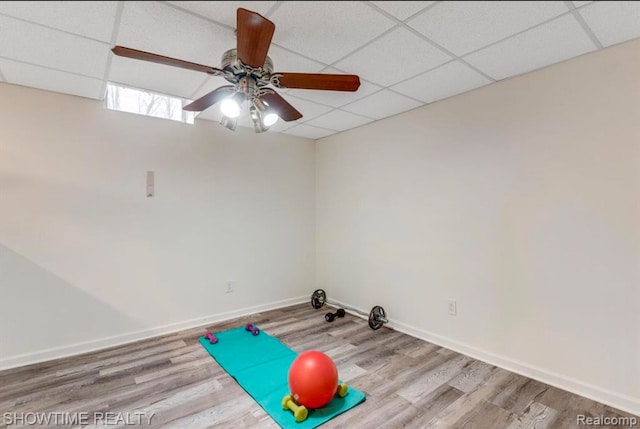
[(313, 379)]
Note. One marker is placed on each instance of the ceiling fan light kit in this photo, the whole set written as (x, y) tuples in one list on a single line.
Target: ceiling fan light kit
[(250, 72)]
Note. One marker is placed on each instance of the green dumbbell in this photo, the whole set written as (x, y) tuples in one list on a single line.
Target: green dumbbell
[(342, 390), (299, 411)]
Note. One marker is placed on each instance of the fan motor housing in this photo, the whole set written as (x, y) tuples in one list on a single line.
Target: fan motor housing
[(231, 63)]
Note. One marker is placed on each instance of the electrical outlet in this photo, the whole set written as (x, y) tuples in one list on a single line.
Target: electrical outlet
[(230, 286), (453, 310)]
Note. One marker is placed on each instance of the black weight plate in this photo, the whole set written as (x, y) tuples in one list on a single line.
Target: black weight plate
[(374, 317), (318, 298)]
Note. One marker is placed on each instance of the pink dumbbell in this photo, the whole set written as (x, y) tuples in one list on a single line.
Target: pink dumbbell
[(212, 338), (253, 329)]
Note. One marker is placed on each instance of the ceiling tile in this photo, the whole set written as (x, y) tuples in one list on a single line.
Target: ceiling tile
[(162, 29), (51, 80), (223, 11), (155, 77), (462, 27), (38, 45), (445, 81), (556, 41), (402, 9), (382, 104), (92, 19), (65, 47), (308, 131), (286, 61), (326, 31), (396, 56), (212, 83), (335, 98), (308, 109), (339, 120), (625, 14)]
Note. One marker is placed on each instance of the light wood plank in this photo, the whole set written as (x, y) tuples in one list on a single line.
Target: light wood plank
[(409, 383), (537, 416), (471, 376), (424, 385)]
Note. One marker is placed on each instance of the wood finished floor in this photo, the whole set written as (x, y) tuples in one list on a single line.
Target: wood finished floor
[(409, 383)]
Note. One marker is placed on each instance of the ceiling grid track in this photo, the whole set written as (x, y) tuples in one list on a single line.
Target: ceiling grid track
[(403, 24), (114, 38), (49, 68), (49, 27), (576, 14), (197, 15), (272, 9)]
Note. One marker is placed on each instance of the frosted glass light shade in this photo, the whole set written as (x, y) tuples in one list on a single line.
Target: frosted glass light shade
[(270, 119), (230, 108)]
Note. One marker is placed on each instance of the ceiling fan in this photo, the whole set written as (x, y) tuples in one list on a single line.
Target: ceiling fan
[(250, 72)]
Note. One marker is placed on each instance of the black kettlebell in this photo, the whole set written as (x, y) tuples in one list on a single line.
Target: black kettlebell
[(330, 317)]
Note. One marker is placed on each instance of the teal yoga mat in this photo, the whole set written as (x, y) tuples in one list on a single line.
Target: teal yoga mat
[(260, 364)]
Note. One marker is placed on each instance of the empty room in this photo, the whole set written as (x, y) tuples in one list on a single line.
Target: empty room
[(334, 214)]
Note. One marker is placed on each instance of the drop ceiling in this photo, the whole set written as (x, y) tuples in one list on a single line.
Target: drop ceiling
[(407, 53)]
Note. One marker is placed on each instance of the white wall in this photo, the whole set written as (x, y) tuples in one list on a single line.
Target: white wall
[(87, 260), (520, 201)]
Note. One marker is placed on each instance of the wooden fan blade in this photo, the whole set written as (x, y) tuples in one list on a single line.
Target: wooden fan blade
[(329, 82), (208, 100), (254, 35), (281, 106), (161, 59)]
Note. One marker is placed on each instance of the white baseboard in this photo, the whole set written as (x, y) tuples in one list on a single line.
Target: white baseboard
[(118, 340), (620, 401)]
